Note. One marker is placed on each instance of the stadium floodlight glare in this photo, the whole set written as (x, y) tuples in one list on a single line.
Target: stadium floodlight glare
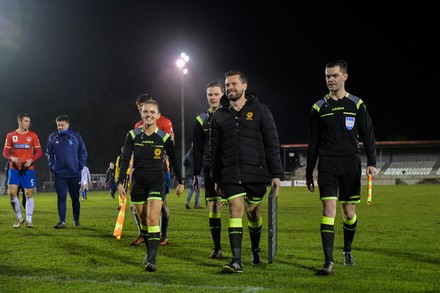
[(181, 64)]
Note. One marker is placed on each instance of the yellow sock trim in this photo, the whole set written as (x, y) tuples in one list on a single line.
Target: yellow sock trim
[(327, 220), (235, 223), (213, 215), (256, 224), (153, 229), (352, 221)]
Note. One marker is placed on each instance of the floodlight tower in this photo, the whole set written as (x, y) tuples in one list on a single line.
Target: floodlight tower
[(181, 64)]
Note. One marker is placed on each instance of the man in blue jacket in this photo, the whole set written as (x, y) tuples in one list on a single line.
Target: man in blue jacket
[(67, 156)]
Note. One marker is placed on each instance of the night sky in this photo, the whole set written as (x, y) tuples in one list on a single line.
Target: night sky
[(91, 59)]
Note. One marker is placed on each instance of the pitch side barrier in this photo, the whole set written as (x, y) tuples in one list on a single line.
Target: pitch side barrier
[(389, 153)]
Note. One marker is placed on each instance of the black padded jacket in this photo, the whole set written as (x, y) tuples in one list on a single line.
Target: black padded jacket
[(244, 145)]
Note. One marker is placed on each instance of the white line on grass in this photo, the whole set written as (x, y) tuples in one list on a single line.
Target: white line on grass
[(149, 283)]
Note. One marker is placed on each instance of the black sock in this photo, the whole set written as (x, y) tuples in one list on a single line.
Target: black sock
[(328, 238), (152, 246), (255, 235), (215, 224), (349, 231), (235, 240)]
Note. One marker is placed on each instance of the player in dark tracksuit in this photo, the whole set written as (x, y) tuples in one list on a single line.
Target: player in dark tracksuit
[(202, 158), (338, 121), (67, 155), (149, 145)]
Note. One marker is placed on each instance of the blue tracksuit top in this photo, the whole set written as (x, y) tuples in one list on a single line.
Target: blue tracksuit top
[(66, 153)]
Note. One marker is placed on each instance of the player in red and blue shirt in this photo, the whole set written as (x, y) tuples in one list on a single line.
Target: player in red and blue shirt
[(22, 148)]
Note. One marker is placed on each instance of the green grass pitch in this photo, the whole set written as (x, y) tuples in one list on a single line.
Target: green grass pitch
[(396, 248)]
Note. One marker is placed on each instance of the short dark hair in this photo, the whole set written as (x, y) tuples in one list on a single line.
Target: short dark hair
[(143, 98), (22, 115), (62, 118), (243, 77), (343, 65), (216, 84)]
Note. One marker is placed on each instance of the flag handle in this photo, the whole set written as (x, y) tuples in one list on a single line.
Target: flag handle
[(369, 189), (120, 220)]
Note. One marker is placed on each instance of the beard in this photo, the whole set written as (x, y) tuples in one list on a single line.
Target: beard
[(234, 95)]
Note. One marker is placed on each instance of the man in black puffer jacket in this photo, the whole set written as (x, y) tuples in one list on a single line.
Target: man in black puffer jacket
[(246, 159)]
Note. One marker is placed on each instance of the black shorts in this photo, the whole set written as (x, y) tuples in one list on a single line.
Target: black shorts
[(253, 193), (210, 193), (147, 185), (340, 178)]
